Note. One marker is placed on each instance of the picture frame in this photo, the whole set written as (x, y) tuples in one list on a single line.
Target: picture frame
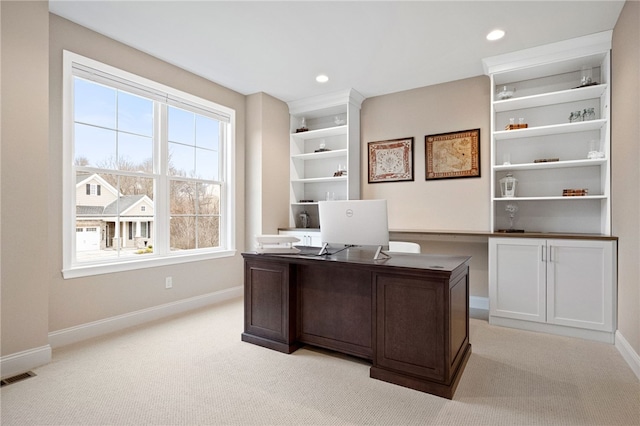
[(452, 155), (390, 160)]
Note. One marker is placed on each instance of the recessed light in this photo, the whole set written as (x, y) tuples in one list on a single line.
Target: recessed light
[(495, 35), (322, 78)]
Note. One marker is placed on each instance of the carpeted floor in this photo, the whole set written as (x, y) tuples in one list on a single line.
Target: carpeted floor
[(193, 369)]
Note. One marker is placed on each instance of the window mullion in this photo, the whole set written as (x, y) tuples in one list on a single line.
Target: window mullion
[(162, 228)]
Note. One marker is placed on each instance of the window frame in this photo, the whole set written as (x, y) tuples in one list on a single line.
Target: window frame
[(124, 80)]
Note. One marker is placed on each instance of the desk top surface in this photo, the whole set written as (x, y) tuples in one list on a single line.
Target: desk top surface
[(365, 256), (418, 233)]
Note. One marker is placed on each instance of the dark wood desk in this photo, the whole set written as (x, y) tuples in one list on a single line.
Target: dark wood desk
[(408, 315)]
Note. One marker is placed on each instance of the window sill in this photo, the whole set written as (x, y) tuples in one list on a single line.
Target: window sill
[(79, 271)]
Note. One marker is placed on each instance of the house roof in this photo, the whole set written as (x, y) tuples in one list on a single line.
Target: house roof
[(122, 204), (81, 177), (89, 210), (117, 207)]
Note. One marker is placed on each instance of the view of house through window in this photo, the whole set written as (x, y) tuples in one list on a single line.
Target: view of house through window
[(148, 173)]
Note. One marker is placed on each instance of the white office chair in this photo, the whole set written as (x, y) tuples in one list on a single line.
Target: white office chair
[(404, 247)]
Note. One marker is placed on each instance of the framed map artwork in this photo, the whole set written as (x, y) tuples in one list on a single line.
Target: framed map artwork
[(453, 155), (391, 161)]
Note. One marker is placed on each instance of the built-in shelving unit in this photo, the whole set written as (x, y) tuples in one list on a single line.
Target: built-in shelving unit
[(553, 283), (325, 158), (552, 154)]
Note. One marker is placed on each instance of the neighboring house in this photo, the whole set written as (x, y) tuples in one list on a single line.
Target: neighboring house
[(106, 218)]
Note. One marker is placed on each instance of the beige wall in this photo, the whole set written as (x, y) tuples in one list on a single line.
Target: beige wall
[(82, 300), (448, 204), (24, 176), (625, 156), (267, 166)]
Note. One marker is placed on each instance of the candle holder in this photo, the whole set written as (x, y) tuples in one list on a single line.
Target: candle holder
[(508, 186)]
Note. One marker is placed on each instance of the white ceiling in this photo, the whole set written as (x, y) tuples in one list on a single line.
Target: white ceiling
[(374, 47)]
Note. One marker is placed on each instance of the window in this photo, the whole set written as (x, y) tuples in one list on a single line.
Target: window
[(93, 189), (154, 155)]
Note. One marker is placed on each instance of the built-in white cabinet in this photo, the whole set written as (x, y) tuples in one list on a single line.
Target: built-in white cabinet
[(325, 152), (562, 286), (307, 237), (551, 176), (550, 130)]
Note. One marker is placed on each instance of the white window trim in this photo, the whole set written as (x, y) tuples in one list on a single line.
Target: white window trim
[(71, 269)]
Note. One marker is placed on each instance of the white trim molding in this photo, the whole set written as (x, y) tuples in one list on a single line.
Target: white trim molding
[(477, 302), (21, 362), (548, 53), (98, 328), (627, 352), (559, 330)]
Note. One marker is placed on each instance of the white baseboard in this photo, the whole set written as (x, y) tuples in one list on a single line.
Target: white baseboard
[(627, 352), (476, 302), (560, 330), (109, 325), (21, 362)]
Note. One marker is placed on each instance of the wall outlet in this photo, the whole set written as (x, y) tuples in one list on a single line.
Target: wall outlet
[(168, 282)]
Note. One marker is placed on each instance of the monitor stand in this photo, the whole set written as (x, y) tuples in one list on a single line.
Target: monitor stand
[(324, 250), (380, 255)]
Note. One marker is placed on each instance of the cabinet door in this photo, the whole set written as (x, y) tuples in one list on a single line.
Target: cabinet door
[(309, 238), (410, 326), (517, 278), (269, 300), (314, 239), (580, 284)]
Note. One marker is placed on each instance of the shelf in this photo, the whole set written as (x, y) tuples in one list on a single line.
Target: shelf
[(320, 155), (321, 180), (312, 175), (320, 133), (583, 198), (543, 61), (554, 129), (564, 96), (551, 165)]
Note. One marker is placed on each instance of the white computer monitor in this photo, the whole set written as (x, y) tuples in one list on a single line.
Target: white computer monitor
[(354, 223)]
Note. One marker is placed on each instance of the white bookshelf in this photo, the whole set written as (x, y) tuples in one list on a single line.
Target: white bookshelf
[(547, 89), (331, 141)]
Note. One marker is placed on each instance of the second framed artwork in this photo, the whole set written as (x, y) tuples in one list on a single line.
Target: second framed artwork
[(391, 160), (452, 155)]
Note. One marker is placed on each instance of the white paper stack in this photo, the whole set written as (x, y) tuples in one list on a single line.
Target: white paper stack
[(275, 244)]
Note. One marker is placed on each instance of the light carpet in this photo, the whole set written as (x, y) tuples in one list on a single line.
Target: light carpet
[(193, 369)]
